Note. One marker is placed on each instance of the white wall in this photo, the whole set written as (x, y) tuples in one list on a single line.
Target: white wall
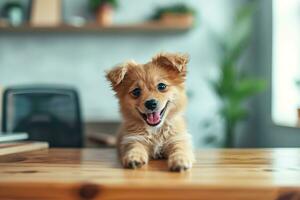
[(79, 59)]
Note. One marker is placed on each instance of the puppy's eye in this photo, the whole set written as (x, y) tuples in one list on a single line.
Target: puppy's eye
[(161, 86), (136, 92)]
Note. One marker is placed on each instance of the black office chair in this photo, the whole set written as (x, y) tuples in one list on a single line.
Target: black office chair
[(46, 113)]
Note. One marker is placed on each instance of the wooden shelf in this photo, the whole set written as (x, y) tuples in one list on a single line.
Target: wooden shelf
[(144, 27)]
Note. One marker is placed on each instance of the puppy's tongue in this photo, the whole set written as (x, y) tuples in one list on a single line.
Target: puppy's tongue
[(153, 118)]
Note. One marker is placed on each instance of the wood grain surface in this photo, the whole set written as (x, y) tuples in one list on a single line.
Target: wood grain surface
[(96, 174), (152, 27)]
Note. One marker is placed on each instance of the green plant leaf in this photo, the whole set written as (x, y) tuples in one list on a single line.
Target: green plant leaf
[(248, 87), (233, 112), (233, 88), (94, 4), (246, 11), (179, 8), (227, 80), (240, 36)]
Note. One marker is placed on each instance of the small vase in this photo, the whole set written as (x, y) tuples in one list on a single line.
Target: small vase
[(104, 15)]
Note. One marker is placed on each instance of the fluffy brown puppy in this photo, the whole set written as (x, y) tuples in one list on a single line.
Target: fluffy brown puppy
[(152, 101)]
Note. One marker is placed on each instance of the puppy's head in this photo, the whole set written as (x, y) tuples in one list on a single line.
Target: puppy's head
[(153, 92)]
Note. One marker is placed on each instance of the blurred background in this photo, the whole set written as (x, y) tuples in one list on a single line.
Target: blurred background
[(243, 80)]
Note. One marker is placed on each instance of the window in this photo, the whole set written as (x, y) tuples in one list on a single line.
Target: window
[(286, 62)]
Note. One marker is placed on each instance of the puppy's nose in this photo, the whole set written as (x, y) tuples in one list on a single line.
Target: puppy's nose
[(151, 104)]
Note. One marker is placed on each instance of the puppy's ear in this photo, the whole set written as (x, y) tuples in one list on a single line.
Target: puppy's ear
[(175, 61), (117, 74)]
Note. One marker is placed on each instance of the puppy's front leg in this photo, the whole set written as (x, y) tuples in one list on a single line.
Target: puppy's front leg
[(180, 154), (134, 155)]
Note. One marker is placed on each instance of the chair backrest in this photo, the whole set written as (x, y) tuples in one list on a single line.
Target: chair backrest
[(46, 113)]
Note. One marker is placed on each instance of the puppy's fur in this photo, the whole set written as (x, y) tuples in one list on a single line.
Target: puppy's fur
[(158, 132)]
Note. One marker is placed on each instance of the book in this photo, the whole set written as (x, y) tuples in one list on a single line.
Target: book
[(45, 13), (7, 137), (19, 147)]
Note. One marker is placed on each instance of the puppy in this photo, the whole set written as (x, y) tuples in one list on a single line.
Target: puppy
[(152, 101)]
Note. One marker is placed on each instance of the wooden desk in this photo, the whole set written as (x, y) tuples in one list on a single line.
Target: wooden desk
[(96, 174)]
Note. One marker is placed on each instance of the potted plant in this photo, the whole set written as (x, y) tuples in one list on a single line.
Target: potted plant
[(177, 13), (104, 10), (233, 87)]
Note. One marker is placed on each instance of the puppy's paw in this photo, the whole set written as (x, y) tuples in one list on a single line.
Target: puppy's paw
[(179, 163), (134, 159)]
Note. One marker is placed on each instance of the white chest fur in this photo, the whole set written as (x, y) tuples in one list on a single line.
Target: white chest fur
[(157, 151)]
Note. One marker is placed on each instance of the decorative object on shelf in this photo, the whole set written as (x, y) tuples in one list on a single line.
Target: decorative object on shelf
[(13, 12), (77, 21), (175, 14), (46, 13), (233, 87), (104, 10)]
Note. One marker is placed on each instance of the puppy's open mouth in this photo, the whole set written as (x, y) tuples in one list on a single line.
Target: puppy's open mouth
[(154, 118)]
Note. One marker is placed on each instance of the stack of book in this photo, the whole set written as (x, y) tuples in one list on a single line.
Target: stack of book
[(11, 143)]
